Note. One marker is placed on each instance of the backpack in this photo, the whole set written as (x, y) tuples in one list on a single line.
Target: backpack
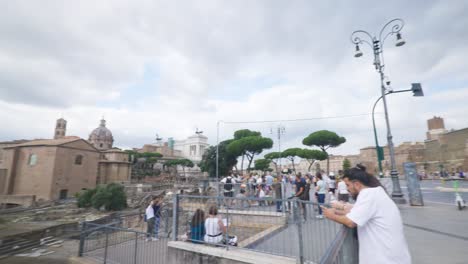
[(228, 184)]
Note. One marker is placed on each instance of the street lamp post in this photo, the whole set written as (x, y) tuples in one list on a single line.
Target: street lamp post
[(280, 131), (417, 91), (393, 27)]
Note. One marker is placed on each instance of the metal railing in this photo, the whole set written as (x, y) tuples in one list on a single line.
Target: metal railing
[(112, 244), (286, 227)]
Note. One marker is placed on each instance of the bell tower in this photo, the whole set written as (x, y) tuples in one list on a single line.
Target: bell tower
[(60, 128)]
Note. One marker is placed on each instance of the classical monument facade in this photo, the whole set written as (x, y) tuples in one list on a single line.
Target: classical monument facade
[(51, 169)]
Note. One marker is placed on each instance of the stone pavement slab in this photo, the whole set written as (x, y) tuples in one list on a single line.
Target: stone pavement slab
[(431, 248), (443, 218), (436, 233)]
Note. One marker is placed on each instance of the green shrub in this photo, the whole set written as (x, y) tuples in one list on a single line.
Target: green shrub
[(85, 197), (110, 197)]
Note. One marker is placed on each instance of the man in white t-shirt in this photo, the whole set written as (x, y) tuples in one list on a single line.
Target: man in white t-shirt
[(380, 229)]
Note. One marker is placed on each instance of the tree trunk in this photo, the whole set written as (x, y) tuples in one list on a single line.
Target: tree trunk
[(310, 164), (250, 159), (242, 164), (328, 165)]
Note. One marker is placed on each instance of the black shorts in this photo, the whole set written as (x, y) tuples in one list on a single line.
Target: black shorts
[(332, 190), (228, 194)]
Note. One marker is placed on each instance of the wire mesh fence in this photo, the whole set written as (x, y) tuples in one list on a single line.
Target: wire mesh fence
[(286, 227), (113, 244)]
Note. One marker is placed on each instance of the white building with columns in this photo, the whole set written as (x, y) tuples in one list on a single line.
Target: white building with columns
[(193, 147)]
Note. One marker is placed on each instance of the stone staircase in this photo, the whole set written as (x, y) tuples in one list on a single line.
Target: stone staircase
[(24, 247)]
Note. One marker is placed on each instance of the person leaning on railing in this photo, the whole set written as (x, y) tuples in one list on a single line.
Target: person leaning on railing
[(380, 228)]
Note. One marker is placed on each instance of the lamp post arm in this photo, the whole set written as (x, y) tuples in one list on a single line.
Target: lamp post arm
[(356, 39), (397, 26), (373, 123)]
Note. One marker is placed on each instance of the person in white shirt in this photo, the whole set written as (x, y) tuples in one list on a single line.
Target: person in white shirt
[(343, 194), (378, 220), (215, 229), (321, 190), (150, 222)]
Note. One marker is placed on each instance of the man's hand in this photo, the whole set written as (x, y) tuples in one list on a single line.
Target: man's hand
[(342, 219), (328, 212)]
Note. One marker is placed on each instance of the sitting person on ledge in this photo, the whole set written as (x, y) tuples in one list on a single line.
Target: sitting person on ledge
[(197, 227)]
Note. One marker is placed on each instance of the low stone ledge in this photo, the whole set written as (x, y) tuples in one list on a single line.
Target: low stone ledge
[(185, 252)]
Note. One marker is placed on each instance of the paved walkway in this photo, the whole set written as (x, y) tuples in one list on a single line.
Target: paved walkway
[(436, 233)]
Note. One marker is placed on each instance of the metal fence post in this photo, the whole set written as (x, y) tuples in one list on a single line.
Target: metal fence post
[(175, 216), (82, 239), (136, 248), (106, 246), (283, 197), (349, 248), (227, 226), (297, 216)]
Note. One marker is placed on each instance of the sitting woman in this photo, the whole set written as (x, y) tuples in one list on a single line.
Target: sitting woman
[(215, 229), (197, 227)]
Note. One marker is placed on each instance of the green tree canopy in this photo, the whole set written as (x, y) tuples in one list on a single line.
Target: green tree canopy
[(274, 157), (312, 155), (346, 164), (248, 146), (111, 197), (262, 164), (150, 157), (324, 140), (246, 133), (290, 154), (225, 163)]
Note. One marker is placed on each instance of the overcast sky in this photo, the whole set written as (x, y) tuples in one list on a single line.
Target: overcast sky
[(169, 67)]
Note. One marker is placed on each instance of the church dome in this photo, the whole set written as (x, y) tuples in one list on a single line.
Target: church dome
[(101, 137)]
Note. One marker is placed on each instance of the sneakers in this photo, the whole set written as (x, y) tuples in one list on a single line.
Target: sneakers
[(319, 216), (154, 239), (147, 240)]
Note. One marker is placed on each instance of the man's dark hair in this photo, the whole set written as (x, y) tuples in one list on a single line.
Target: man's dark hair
[(299, 175), (359, 174)]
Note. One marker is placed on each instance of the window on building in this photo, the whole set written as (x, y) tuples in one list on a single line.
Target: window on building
[(193, 150), (63, 194), (32, 159), (58, 133), (79, 159), (100, 145)]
